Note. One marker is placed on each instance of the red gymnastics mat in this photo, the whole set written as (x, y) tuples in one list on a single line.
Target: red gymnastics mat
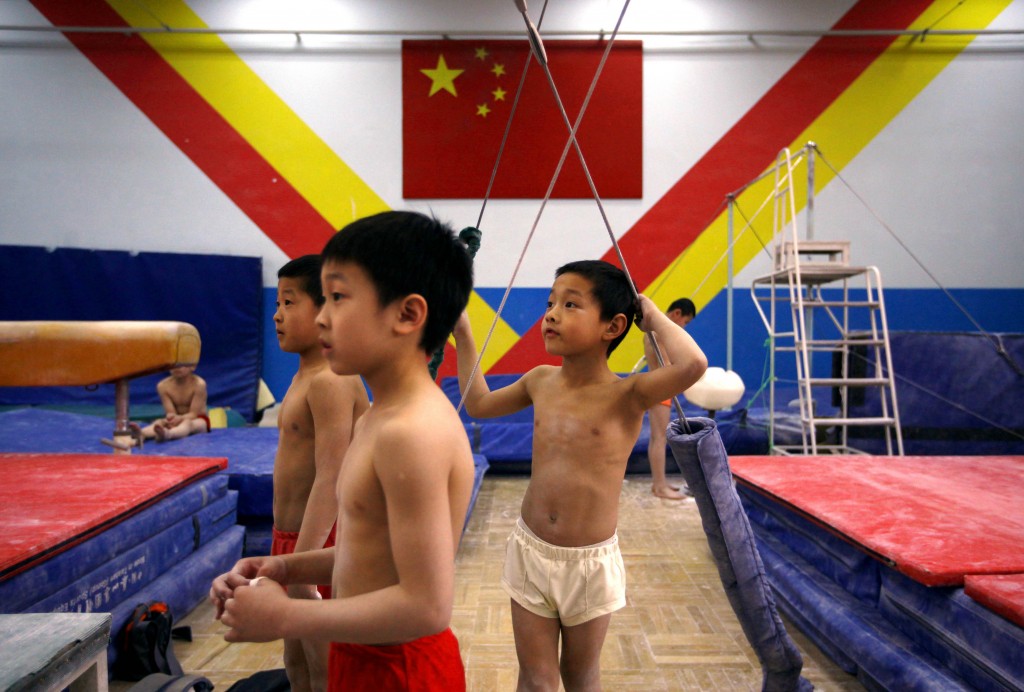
[(1002, 593), (935, 519), (51, 502)]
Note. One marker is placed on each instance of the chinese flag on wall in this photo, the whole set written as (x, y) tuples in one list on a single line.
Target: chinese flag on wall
[(456, 100)]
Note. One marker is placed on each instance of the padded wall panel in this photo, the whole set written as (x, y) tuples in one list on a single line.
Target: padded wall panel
[(222, 296), (958, 393)]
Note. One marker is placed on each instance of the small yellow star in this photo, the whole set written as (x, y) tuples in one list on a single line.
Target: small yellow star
[(442, 77), (499, 94), (498, 69), (482, 110), (481, 53)]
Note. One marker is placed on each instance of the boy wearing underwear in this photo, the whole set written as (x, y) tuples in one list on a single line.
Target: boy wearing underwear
[(183, 396), (563, 569), (681, 311), (315, 425), (394, 283)]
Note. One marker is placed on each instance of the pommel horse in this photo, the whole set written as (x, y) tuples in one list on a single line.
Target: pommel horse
[(50, 354)]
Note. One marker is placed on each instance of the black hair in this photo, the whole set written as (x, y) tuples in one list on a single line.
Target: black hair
[(611, 289), (306, 268), (407, 252), (684, 305)]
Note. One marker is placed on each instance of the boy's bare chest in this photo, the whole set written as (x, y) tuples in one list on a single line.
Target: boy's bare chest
[(295, 419), (181, 395), (360, 494), (592, 417)]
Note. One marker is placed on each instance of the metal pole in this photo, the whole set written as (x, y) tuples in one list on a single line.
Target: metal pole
[(728, 288), (810, 190)]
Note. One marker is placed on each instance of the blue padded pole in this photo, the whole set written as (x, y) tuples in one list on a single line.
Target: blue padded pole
[(705, 466)]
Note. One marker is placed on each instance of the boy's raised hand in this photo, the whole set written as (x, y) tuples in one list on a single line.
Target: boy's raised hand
[(646, 313)]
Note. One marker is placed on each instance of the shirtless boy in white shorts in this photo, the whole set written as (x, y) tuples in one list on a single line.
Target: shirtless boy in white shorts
[(563, 569)]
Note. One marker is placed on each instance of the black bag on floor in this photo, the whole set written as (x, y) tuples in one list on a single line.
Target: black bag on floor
[(145, 643)]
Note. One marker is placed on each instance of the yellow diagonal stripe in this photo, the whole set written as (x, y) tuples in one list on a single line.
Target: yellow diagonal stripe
[(276, 131), (255, 111), (841, 132)]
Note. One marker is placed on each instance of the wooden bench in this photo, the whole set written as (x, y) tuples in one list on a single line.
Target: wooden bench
[(49, 354), (51, 651)]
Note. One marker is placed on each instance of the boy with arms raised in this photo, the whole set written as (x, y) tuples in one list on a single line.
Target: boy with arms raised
[(395, 283), (315, 424), (563, 569)]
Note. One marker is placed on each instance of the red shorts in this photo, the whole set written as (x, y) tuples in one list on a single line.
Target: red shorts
[(284, 544), (422, 665), (206, 419)]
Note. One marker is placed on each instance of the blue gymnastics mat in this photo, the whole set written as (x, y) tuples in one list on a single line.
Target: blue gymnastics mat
[(90, 563)]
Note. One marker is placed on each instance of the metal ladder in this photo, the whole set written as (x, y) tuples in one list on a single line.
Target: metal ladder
[(803, 273)]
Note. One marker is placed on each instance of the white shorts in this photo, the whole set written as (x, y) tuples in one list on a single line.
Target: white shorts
[(572, 584)]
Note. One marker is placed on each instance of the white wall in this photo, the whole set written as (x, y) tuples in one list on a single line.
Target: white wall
[(82, 167)]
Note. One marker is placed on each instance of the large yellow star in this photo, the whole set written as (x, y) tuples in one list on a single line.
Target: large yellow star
[(442, 77)]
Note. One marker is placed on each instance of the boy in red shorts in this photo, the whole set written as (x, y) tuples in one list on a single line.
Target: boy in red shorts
[(315, 423), (394, 283)]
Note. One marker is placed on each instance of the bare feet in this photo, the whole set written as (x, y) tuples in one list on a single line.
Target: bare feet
[(160, 431), (667, 493)]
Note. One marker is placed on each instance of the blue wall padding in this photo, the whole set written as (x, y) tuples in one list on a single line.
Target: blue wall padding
[(977, 644), (850, 567), (957, 394), (129, 571), (185, 586), (23, 589), (851, 632), (222, 296), (701, 456)]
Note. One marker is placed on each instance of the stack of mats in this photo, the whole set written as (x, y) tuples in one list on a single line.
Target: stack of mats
[(249, 451), (104, 532), (907, 571)]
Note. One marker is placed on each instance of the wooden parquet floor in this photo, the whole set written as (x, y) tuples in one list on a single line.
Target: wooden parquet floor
[(677, 632)]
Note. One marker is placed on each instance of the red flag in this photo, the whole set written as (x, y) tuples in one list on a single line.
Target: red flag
[(456, 100)]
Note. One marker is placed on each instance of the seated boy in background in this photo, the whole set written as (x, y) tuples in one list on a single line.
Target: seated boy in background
[(394, 283), (183, 395), (563, 569), (315, 423)]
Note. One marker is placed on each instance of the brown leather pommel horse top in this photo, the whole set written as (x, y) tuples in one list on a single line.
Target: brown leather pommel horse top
[(47, 354), (51, 354)]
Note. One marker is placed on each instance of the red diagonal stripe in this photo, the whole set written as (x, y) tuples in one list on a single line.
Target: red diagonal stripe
[(750, 146), (194, 126)]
